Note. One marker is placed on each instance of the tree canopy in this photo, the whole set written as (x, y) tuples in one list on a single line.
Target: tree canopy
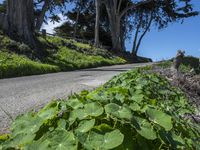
[(115, 20)]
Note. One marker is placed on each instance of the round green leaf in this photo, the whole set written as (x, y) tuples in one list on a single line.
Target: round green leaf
[(93, 109), (108, 140), (160, 118), (74, 103), (57, 140), (85, 125), (122, 112), (135, 107), (113, 139), (145, 129)]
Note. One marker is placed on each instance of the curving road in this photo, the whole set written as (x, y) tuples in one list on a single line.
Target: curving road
[(18, 95)]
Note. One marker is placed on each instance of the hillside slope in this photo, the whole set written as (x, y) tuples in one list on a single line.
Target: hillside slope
[(56, 54)]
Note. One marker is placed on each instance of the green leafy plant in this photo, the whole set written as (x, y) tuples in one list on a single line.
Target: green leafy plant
[(135, 110)]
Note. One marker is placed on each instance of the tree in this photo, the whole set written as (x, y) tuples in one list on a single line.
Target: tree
[(117, 9), (145, 17), (86, 24), (41, 8), (160, 15), (79, 5), (18, 21), (97, 22)]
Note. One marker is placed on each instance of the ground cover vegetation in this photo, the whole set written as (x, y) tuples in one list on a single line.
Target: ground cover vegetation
[(18, 59), (135, 110)]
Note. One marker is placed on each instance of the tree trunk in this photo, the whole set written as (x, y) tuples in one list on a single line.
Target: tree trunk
[(144, 33), (135, 39), (114, 21), (97, 22), (41, 16), (77, 19), (20, 16), (3, 22), (116, 37), (136, 44)]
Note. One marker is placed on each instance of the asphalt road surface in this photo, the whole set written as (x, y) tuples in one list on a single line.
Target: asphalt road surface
[(19, 95)]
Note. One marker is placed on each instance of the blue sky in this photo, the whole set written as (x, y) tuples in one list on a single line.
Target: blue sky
[(163, 44)]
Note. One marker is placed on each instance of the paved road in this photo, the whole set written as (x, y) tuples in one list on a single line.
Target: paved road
[(18, 95)]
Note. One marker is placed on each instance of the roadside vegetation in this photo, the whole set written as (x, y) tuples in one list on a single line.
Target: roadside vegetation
[(189, 63), (17, 59), (135, 110)]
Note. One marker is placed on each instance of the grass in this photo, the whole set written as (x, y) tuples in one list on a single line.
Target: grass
[(17, 59), (13, 65)]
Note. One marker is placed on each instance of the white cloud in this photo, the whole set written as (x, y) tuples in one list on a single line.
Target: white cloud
[(50, 25)]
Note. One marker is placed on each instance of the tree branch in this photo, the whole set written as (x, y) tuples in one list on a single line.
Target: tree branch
[(142, 36), (132, 6), (119, 6), (40, 18)]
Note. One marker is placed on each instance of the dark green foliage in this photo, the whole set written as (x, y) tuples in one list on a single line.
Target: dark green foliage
[(192, 62), (3, 7), (189, 62), (134, 110)]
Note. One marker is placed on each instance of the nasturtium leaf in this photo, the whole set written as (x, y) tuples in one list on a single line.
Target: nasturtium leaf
[(74, 103), (137, 98), (179, 140), (85, 125), (18, 140), (145, 129), (61, 139), (134, 107), (93, 109), (72, 117), (95, 96), (160, 118), (81, 113), (112, 108), (62, 124), (120, 97), (113, 139), (155, 79), (122, 112), (167, 138), (94, 140), (28, 123), (48, 114), (125, 113), (139, 87), (105, 141), (38, 145)]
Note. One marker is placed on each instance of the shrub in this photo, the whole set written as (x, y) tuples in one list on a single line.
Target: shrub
[(191, 61), (24, 48), (13, 46)]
